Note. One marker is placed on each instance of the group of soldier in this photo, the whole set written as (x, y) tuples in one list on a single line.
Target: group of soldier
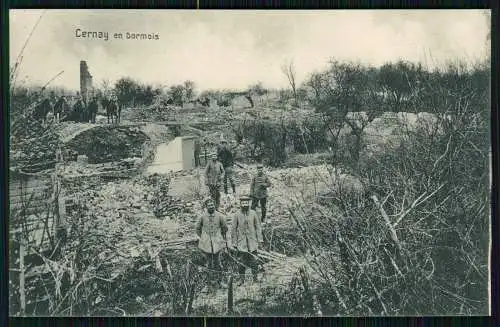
[(246, 229), (58, 109), (220, 171)]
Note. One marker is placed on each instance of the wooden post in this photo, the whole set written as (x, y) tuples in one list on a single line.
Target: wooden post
[(22, 291), (59, 207), (230, 295), (305, 283), (192, 289)]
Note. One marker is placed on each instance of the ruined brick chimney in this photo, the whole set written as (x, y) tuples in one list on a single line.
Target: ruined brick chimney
[(85, 80)]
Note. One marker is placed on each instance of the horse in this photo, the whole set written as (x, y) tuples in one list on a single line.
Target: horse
[(78, 114), (113, 110)]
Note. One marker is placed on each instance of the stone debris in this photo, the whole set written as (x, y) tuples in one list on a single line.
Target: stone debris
[(82, 160)]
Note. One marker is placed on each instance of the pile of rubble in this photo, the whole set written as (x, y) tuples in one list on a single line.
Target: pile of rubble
[(126, 215), (80, 167), (164, 205), (102, 144), (154, 112)]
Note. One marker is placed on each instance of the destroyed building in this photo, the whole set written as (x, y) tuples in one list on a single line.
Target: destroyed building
[(85, 81)]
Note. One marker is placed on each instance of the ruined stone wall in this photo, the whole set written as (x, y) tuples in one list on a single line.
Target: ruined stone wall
[(85, 81)]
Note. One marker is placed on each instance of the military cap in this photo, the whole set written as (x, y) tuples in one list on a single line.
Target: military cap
[(244, 198), (260, 165)]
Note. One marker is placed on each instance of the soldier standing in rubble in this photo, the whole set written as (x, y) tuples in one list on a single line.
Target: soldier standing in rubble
[(52, 98), (197, 152), (212, 231), (49, 103), (50, 106), (246, 238), (205, 145), (60, 108), (213, 178), (258, 191), (226, 157), (42, 108), (78, 109)]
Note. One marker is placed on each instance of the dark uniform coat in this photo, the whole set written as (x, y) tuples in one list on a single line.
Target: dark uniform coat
[(259, 185), (213, 173)]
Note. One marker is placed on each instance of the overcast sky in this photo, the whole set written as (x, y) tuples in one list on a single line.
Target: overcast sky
[(232, 49)]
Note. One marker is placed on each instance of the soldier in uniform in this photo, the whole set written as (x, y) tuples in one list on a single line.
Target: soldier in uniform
[(60, 109), (197, 153), (213, 178), (42, 108), (246, 238), (212, 230), (205, 154), (258, 191), (52, 98), (50, 117), (226, 157)]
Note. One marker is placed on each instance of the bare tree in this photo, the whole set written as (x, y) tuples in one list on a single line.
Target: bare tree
[(316, 83), (106, 84), (289, 71), (189, 90)]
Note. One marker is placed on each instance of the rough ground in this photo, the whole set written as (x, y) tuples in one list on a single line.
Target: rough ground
[(126, 219)]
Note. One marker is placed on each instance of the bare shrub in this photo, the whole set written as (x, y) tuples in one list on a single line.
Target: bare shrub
[(418, 242), (269, 140)]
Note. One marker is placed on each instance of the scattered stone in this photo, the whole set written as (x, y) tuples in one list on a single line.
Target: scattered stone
[(82, 160)]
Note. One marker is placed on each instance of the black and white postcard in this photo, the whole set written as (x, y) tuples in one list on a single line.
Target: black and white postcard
[(249, 163)]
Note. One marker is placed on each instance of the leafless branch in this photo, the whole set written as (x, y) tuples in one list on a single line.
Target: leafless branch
[(20, 57), (289, 71), (421, 199)]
